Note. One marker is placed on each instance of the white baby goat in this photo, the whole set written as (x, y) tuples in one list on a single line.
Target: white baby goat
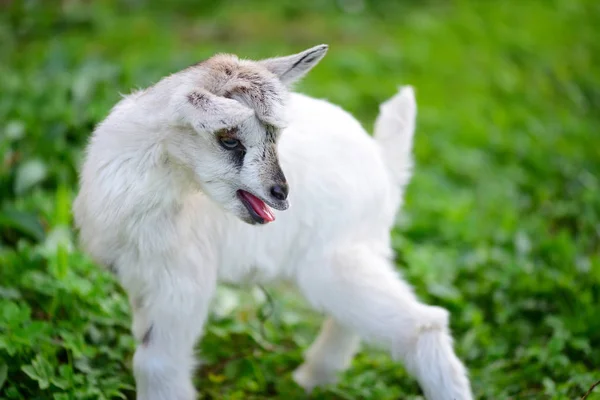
[(177, 192)]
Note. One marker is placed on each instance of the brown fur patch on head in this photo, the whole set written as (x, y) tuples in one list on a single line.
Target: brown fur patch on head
[(247, 82), (198, 100)]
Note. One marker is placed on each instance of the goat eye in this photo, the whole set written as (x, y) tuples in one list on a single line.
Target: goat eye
[(229, 143)]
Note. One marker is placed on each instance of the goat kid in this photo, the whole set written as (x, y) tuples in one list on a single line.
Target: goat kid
[(185, 184)]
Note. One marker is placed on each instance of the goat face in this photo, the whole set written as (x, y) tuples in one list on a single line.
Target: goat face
[(233, 112)]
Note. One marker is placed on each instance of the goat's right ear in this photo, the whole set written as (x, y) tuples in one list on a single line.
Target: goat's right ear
[(207, 112), (290, 69)]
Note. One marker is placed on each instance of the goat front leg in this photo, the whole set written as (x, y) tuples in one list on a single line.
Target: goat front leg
[(168, 317), (360, 289)]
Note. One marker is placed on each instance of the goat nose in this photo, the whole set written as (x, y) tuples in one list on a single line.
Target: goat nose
[(280, 191)]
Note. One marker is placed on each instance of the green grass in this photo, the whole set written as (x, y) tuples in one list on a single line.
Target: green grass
[(501, 223)]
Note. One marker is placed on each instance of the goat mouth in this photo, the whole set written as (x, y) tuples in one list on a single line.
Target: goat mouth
[(259, 211)]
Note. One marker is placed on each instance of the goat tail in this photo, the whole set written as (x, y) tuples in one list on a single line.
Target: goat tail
[(394, 130)]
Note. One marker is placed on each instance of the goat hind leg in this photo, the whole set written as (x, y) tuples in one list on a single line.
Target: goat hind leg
[(360, 288), (331, 353)]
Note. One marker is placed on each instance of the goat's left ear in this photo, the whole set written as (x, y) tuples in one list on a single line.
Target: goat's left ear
[(290, 69)]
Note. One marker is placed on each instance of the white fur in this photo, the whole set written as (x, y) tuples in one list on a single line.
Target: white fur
[(157, 205)]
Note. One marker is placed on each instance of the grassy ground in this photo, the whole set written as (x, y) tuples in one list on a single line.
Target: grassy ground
[(501, 223)]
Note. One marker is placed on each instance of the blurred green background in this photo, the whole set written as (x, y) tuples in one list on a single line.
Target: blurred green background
[(501, 223)]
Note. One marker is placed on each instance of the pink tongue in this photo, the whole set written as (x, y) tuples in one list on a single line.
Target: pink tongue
[(259, 206)]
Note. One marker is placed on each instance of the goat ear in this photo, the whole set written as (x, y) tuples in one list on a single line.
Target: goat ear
[(290, 69), (207, 112)]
